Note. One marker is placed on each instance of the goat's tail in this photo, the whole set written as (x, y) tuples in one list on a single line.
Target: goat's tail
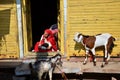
[(111, 47), (114, 39), (112, 44)]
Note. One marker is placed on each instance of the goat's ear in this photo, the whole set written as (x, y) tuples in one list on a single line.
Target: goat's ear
[(49, 59), (30, 65), (79, 35)]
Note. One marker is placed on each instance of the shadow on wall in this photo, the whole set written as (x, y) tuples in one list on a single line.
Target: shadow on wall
[(4, 27), (79, 47)]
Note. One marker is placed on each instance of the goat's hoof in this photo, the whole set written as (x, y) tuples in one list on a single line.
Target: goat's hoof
[(94, 64), (84, 63), (102, 66)]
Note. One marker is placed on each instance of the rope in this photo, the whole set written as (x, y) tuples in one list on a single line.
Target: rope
[(62, 73)]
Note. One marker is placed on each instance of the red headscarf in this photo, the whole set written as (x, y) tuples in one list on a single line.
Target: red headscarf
[(48, 31)]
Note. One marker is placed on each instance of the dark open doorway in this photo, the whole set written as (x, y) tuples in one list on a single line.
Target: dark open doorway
[(43, 15)]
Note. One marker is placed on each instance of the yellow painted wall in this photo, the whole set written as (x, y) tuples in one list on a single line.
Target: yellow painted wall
[(92, 17), (8, 30), (61, 26), (27, 29)]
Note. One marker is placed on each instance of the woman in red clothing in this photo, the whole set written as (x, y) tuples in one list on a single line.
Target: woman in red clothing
[(47, 42)]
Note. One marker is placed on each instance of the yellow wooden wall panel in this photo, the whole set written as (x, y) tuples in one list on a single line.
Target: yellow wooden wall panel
[(27, 29), (92, 17), (61, 27), (8, 29)]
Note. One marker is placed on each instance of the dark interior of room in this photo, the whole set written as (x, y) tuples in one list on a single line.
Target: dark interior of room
[(43, 15)]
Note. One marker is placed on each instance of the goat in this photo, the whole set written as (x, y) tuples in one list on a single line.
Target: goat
[(91, 42), (46, 66)]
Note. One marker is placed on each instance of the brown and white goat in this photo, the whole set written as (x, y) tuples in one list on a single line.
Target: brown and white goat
[(91, 42)]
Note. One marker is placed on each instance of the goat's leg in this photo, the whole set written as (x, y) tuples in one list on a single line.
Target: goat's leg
[(94, 58), (91, 56), (40, 73), (108, 55), (109, 50), (50, 74), (108, 58), (86, 57), (45, 76), (105, 57)]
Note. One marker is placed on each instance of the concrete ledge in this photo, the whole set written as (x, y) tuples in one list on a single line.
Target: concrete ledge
[(9, 63)]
